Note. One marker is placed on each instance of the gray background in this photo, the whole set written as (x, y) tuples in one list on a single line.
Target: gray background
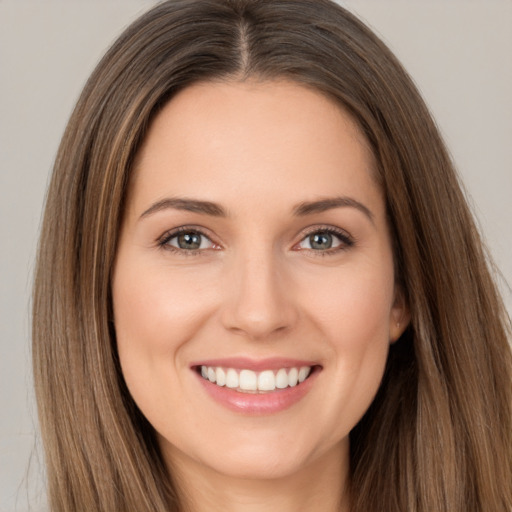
[(458, 52)]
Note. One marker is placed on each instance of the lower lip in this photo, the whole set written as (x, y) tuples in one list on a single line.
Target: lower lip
[(258, 403)]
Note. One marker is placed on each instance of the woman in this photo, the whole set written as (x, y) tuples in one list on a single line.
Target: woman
[(259, 284)]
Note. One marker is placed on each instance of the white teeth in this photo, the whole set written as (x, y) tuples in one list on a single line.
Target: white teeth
[(266, 381), (281, 379), (248, 380), (231, 378), (221, 377), (293, 377), (303, 373)]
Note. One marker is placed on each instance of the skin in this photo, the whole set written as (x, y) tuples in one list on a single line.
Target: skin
[(256, 288)]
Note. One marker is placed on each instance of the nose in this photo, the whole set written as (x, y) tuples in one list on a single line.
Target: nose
[(259, 302)]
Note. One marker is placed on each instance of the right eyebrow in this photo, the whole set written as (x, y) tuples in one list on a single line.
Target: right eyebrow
[(183, 203)]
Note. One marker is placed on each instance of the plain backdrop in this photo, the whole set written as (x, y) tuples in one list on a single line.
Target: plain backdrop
[(458, 52)]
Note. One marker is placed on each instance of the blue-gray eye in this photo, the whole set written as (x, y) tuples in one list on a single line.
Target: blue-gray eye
[(190, 241), (323, 241)]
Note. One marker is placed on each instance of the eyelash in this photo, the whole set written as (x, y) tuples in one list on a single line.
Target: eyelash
[(346, 241), (163, 242)]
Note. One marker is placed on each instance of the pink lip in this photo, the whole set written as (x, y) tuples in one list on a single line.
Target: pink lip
[(256, 365), (257, 403)]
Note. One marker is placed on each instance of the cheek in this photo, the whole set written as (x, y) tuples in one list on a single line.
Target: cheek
[(358, 334), (354, 309), (354, 321), (155, 313), (153, 307)]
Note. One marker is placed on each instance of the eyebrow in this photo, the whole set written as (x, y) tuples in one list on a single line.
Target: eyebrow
[(190, 205), (215, 210), (308, 208)]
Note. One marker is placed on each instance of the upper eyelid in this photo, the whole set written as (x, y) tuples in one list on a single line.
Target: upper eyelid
[(173, 232), (184, 229), (326, 228)]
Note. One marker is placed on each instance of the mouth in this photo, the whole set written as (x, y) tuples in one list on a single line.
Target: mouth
[(256, 386), (245, 380)]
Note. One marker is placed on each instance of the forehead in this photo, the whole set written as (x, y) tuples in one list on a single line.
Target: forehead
[(244, 136)]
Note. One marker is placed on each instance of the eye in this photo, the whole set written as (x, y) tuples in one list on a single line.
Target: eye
[(186, 240), (323, 240)]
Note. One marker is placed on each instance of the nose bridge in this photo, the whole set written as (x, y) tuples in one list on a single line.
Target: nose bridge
[(258, 303)]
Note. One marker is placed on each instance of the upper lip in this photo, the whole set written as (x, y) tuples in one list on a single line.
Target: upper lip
[(246, 363)]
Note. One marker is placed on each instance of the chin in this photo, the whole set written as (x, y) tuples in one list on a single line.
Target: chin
[(261, 467), (260, 459)]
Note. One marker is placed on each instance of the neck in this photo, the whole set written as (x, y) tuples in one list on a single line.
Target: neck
[(321, 485)]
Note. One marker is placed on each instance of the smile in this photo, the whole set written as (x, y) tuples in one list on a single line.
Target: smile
[(249, 381), (257, 386)]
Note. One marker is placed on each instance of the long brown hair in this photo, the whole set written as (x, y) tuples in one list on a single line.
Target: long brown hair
[(438, 436)]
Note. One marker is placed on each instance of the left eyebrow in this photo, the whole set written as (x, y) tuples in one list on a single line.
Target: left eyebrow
[(308, 208)]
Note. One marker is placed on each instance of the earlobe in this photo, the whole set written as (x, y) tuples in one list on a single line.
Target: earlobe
[(400, 316)]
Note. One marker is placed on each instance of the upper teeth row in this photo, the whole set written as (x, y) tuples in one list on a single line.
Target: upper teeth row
[(247, 380)]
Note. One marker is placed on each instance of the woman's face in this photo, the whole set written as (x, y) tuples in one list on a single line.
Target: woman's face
[(255, 251)]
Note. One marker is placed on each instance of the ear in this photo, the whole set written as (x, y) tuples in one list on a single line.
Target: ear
[(400, 315)]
